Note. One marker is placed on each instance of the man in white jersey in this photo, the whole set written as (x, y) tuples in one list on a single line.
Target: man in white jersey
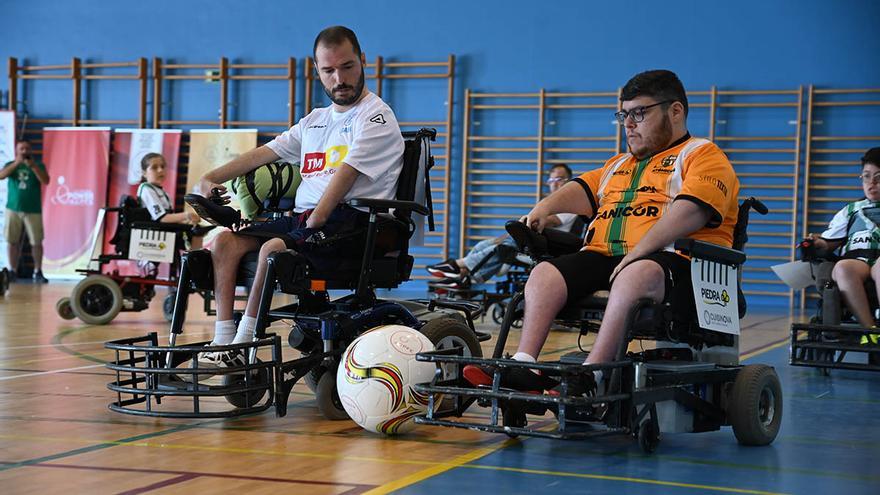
[(351, 149)]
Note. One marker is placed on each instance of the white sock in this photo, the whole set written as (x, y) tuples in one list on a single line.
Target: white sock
[(598, 375), (521, 356), (246, 329), (224, 332)]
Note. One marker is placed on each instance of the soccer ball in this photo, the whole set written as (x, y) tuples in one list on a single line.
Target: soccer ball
[(376, 377)]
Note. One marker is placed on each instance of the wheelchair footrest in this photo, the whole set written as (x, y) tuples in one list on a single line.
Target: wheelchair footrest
[(146, 373)]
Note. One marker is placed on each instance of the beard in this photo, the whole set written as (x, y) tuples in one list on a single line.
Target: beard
[(657, 141), (346, 101)]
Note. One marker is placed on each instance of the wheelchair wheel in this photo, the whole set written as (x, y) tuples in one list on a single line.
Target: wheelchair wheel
[(312, 377), (63, 308), (755, 405), (447, 332), (497, 313), (649, 437), (514, 417), (250, 398), (96, 299), (327, 397), (168, 305)]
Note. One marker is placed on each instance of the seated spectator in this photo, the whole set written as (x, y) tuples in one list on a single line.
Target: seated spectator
[(855, 231), (453, 271)]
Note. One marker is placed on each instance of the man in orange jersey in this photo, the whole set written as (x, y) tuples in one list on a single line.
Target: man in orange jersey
[(670, 185)]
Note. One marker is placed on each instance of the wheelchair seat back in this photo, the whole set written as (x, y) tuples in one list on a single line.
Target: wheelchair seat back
[(130, 211)]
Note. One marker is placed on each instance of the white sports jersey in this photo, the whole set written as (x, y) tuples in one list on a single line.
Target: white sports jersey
[(154, 199), (857, 224), (366, 137)]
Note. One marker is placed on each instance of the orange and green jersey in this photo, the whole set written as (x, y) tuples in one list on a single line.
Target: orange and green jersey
[(628, 195)]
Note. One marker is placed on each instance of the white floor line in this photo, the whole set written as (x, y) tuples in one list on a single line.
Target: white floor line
[(40, 346), (2, 378)]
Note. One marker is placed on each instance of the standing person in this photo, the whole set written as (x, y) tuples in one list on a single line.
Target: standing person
[(24, 207), (154, 198), (350, 149), (668, 186)]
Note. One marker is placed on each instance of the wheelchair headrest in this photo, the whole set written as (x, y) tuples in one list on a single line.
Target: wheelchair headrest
[(417, 162), (740, 230), (127, 201)]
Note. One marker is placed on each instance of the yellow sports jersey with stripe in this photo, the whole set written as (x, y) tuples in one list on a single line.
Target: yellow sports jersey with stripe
[(629, 195)]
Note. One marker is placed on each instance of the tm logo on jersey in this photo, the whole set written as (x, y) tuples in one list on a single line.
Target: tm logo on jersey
[(314, 163)]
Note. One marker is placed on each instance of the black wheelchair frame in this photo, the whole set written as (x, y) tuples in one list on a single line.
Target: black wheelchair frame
[(639, 384), (826, 340), (320, 328), (99, 297), (494, 302)]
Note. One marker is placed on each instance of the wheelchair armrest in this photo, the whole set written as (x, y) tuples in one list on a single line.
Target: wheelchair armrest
[(162, 227), (387, 204), (810, 252), (710, 252)]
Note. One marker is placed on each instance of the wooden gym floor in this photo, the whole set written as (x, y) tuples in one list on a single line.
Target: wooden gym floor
[(57, 435)]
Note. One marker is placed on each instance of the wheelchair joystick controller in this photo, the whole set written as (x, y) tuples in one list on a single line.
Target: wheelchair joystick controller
[(213, 209)]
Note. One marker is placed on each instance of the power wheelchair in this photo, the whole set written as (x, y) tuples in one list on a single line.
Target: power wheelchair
[(691, 382), (320, 328), (102, 295), (514, 273), (833, 332)]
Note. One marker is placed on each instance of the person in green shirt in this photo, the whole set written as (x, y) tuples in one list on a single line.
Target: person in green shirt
[(24, 206)]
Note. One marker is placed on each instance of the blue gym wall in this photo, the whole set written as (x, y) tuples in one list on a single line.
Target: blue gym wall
[(500, 46)]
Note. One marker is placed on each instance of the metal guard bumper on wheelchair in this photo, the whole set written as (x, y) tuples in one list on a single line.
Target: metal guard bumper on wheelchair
[(625, 414), (810, 346), (146, 373)]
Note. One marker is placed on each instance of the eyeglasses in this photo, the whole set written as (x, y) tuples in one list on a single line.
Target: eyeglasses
[(637, 113), (554, 180), (870, 178)]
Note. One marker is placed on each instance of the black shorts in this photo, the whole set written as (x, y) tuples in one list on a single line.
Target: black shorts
[(586, 272), (345, 223)]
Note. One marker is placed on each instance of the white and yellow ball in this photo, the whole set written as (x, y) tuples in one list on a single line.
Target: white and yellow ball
[(377, 375)]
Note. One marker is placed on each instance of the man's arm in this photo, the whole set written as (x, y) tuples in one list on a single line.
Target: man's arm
[(683, 218), (339, 186), (571, 198), (7, 170), (40, 172), (238, 166)]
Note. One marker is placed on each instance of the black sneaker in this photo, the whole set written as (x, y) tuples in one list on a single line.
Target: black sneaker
[(582, 386), (39, 278), (447, 269)]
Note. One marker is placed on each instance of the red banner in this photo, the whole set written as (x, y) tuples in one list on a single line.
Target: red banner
[(77, 160), (121, 185)]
